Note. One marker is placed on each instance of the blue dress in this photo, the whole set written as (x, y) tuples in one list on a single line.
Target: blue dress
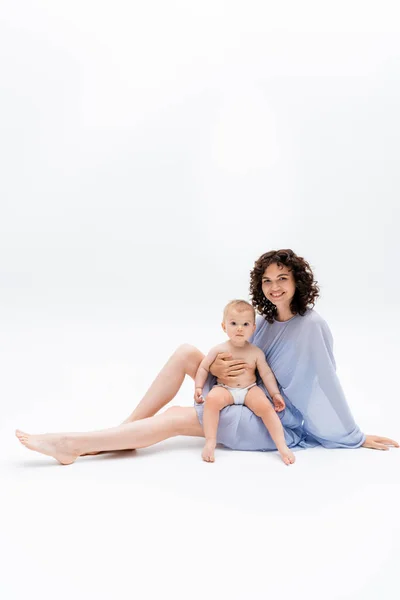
[(299, 352)]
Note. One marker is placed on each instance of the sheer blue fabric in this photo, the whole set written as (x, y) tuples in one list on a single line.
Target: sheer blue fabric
[(299, 352)]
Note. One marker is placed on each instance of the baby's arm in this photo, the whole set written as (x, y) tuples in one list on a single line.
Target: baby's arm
[(269, 381), (203, 370)]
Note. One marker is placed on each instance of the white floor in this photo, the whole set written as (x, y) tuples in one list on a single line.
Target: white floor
[(160, 523)]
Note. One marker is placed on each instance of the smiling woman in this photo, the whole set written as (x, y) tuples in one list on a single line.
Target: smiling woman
[(297, 345), (282, 284), (278, 284)]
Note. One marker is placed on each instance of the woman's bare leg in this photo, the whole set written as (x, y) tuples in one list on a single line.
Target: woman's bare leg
[(184, 361), (66, 447)]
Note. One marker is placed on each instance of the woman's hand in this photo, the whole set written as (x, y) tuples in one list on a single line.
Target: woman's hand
[(378, 443), (224, 367)]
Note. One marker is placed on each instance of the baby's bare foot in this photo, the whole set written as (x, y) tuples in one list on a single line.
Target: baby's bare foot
[(55, 445), (208, 451), (287, 456)]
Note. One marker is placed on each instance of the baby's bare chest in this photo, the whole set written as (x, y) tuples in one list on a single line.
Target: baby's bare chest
[(247, 357), (248, 376)]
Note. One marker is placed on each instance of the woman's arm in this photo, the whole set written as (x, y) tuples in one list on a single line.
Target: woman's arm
[(319, 396)]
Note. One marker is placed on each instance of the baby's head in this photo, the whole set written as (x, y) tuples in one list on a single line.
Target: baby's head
[(239, 321)]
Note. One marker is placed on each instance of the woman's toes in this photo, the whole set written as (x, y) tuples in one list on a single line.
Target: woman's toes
[(21, 436)]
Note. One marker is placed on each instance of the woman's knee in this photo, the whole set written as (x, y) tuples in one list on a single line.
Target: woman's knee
[(174, 411), (184, 420), (189, 357)]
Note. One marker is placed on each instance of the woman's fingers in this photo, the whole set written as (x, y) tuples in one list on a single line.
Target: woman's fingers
[(235, 363), (388, 442), (233, 374), (383, 441), (379, 443), (235, 368), (227, 367), (376, 446)]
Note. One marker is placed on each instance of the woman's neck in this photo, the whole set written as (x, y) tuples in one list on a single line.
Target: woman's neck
[(284, 314)]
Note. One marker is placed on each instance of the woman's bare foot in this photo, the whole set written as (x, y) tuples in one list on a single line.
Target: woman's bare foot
[(55, 445), (208, 451), (287, 455)]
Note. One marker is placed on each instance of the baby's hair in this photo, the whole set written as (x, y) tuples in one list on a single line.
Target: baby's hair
[(241, 306)]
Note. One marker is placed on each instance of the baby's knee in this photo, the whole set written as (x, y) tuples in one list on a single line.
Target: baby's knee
[(217, 399), (262, 408)]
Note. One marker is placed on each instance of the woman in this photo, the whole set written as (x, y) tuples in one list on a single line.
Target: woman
[(298, 347)]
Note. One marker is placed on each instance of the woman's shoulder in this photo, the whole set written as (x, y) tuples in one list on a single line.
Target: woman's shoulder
[(312, 320), (312, 316), (317, 331)]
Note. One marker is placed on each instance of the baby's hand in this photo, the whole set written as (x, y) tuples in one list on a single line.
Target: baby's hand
[(198, 395), (278, 402)]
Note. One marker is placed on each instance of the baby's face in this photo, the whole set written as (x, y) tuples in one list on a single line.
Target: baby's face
[(239, 326)]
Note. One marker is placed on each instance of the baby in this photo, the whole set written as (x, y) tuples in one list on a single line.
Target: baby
[(239, 325)]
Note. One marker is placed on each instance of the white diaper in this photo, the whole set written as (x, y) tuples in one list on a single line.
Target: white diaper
[(238, 394)]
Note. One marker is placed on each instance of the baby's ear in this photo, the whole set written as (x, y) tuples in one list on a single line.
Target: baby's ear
[(223, 326)]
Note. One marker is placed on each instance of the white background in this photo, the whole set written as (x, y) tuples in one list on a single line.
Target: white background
[(150, 152)]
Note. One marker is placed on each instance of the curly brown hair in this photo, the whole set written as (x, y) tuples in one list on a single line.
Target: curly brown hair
[(307, 290)]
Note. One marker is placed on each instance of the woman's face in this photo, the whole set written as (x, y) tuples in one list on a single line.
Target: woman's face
[(278, 285)]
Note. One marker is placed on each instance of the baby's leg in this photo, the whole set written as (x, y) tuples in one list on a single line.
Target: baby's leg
[(257, 401), (216, 400)]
